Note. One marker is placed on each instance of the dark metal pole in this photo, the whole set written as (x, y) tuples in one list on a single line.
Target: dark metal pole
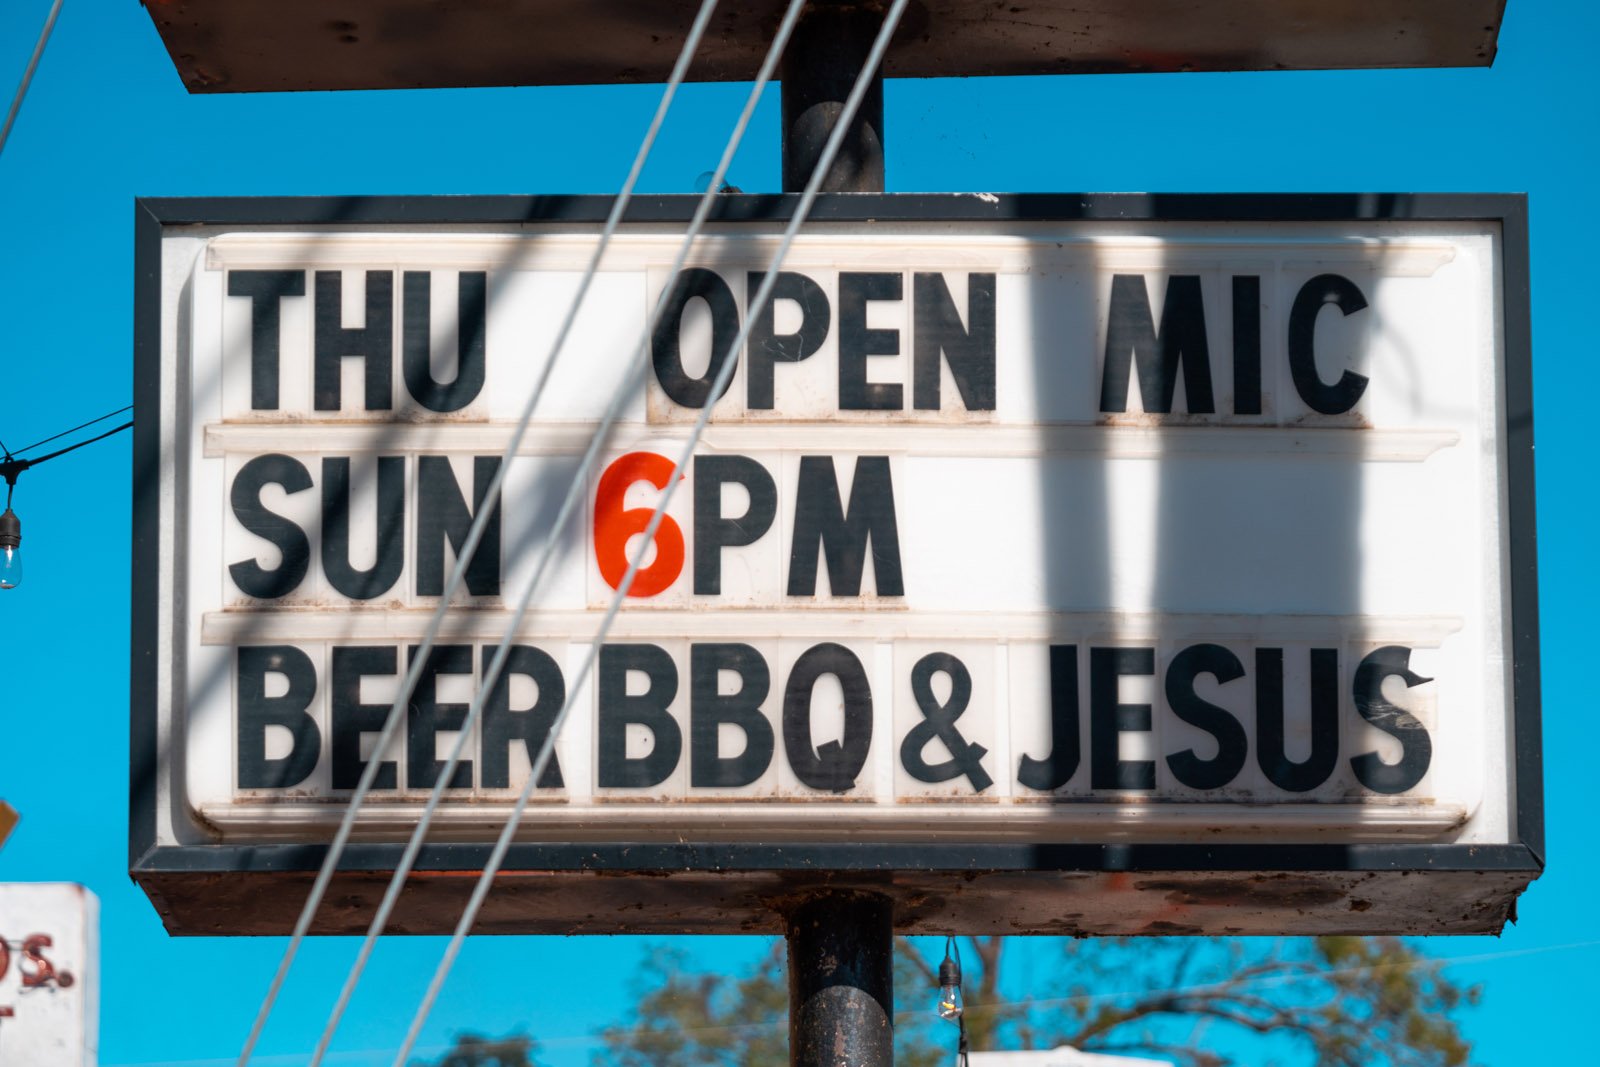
[(820, 66), (841, 981), (841, 944)]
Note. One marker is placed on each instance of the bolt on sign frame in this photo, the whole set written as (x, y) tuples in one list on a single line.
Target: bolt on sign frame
[(1104, 564)]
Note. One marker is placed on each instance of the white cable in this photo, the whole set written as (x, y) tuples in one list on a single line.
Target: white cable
[(724, 374), (27, 76), (474, 536), (575, 491)]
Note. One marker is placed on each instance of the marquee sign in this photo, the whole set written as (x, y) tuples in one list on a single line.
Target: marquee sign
[(1028, 532)]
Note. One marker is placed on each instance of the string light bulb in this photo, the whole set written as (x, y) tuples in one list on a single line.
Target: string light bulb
[(950, 1005), (11, 526), (10, 549), (13, 465)]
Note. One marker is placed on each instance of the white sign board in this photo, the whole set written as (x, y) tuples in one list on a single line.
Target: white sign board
[(49, 974), (1030, 530)]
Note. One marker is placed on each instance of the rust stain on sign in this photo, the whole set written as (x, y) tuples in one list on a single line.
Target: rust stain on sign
[(1069, 903)]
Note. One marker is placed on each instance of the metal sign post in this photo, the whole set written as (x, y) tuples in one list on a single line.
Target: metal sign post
[(841, 980), (822, 62), (841, 943)]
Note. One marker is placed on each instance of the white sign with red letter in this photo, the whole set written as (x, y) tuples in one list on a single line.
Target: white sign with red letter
[(1177, 530), (49, 974)]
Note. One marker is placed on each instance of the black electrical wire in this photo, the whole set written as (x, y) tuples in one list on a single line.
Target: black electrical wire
[(64, 433), (63, 451), (12, 466)]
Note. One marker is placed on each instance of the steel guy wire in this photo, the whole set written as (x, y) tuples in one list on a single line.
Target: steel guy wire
[(27, 77), (724, 375), (575, 490), (474, 536)]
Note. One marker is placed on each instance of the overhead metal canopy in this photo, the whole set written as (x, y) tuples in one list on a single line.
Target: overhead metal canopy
[(238, 46)]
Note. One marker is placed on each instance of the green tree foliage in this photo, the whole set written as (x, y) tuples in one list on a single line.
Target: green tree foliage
[(1323, 1002), (475, 1050), (687, 1019)]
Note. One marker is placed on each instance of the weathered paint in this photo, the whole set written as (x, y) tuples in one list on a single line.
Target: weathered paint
[(660, 902), (277, 45)]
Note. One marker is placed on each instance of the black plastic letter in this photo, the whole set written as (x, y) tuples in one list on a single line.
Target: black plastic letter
[(833, 767), (351, 718), (665, 349), (426, 717), (648, 709), (1246, 344), (265, 288), (1416, 747), (442, 514), (713, 532), (767, 348), (709, 709), (503, 726), (969, 352), (245, 497), (1131, 337), (373, 343), (1056, 769), (417, 344), (1342, 293), (381, 576), (257, 711), (939, 722), (1108, 718), (1297, 777), (1232, 745), (844, 533), (857, 342)]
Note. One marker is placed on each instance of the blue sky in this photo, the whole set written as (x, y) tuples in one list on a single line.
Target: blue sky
[(107, 120)]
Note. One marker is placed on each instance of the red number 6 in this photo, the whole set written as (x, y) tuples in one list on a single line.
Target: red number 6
[(613, 525)]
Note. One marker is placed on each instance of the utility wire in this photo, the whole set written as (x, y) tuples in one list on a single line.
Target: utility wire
[(64, 433), (470, 545), (27, 77), (724, 374), (36, 460), (491, 673), (12, 466)]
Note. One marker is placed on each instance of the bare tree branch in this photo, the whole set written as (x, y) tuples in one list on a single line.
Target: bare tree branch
[(1181, 972), (907, 951), (1332, 1002)]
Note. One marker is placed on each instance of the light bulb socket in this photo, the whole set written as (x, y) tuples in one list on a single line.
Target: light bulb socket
[(10, 530), (949, 973)]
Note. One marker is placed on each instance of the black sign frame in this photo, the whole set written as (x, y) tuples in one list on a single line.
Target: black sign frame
[(938, 888)]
